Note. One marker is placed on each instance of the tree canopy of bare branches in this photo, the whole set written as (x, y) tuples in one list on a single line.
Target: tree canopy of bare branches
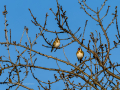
[(30, 60)]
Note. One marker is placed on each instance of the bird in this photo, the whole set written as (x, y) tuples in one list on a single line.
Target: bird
[(80, 54), (56, 43)]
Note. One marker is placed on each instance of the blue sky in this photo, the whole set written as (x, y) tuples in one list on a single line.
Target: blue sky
[(19, 16)]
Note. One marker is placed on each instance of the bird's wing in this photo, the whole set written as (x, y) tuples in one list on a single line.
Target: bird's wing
[(54, 43)]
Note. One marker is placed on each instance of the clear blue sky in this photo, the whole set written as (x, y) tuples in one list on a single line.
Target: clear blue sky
[(19, 16)]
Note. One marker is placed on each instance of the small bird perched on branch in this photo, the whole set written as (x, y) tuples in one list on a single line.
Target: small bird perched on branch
[(56, 43), (80, 54)]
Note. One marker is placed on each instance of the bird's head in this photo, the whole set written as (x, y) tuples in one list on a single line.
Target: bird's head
[(57, 38), (79, 49)]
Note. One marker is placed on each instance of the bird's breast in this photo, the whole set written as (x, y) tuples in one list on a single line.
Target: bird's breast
[(57, 45), (79, 55)]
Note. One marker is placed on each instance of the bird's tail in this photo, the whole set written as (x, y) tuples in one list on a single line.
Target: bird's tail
[(52, 49), (80, 60)]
